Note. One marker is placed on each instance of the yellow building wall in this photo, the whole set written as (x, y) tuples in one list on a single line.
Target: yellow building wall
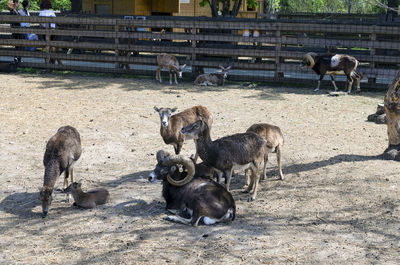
[(166, 6), (145, 7), (142, 7), (193, 9)]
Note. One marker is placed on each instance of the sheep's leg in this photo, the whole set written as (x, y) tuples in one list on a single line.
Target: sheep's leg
[(195, 218), (176, 82), (158, 74), (219, 176), (333, 82), (264, 176), (196, 156), (358, 80), (358, 85), (279, 158), (256, 178), (228, 175), (350, 80), (251, 184), (170, 78), (319, 83), (178, 219), (178, 148), (66, 175), (247, 176)]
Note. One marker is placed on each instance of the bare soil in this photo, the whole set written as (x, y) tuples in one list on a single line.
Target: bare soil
[(339, 202)]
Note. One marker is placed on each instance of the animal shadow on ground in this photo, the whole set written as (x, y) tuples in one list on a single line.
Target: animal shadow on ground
[(21, 204), (133, 177), (138, 207), (296, 168)]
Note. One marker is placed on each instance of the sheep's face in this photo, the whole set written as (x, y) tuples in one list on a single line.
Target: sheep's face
[(45, 197), (73, 187), (165, 114), (193, 130), (224, 70), (161, 172), (179, 70)]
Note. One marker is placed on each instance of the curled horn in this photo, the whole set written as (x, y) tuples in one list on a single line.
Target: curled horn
[(161, 155), (310, 57), (179, 159)]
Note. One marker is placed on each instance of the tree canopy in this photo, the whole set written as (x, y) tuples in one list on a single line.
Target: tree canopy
[(35, 4), (222, 7)]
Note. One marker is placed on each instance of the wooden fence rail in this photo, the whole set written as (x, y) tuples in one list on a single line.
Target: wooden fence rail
[(129, 46)]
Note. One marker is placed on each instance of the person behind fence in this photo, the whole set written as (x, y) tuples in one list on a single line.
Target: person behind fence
[(45, 11), (13, 5), (28, 36)]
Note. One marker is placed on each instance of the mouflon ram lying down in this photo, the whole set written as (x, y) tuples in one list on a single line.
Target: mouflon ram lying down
[(187, 192), (338, 64)]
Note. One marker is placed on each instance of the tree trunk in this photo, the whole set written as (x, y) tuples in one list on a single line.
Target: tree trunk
[(392, 13), (214, 8), (225, 8), (265, 6), (236, 8), (392, 109)]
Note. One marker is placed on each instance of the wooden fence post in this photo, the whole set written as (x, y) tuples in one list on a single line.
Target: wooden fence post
[(48, 49), (278, 49), (372, 64), (193, 55), (116, 29)]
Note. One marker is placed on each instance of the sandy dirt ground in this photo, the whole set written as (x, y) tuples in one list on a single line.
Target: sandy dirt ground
[(338, 204)]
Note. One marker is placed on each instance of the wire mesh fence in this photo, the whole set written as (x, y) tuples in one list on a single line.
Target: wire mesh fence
[(257, 49)]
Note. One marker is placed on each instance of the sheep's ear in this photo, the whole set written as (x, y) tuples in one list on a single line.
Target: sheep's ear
[(174, 109), (229, 67), (156, 109), (220, 66), (183, 66)]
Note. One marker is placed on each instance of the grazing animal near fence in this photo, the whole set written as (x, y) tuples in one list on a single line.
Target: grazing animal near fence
[(235, 152), (169, 62), (338, 64), (274, 138), (171, 126), (184, 190), (62, 151), (213, 79), (87, 200)]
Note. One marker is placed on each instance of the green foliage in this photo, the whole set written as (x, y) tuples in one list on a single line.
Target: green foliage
[(252, 4), (35, 4), (327, 6)]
